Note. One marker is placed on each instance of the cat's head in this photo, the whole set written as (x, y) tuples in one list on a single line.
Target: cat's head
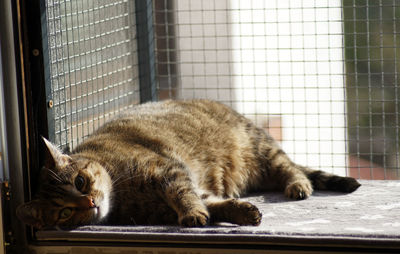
[(73, 190)]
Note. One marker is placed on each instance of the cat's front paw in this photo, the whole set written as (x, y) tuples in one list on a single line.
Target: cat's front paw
[(301, 189), (248, 214), (195, 218)]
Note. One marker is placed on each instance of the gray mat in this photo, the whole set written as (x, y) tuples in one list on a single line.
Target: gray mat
[(369, 216)]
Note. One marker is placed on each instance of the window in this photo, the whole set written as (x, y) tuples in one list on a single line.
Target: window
[(320, 76)]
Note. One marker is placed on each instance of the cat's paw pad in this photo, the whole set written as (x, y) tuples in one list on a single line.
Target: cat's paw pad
[(195, 218), (299, 190), (251, 215)]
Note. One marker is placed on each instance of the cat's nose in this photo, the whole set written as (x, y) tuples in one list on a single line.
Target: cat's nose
[(86, 202), (92, 203)]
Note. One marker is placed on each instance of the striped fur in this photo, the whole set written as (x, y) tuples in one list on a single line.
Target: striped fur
[(171, 162)]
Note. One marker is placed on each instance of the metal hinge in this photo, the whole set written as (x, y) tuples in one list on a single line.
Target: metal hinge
[(6, 192), (5, 199)]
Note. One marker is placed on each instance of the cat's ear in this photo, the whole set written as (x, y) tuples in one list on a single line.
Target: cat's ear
[(31, 213), (55, 158)]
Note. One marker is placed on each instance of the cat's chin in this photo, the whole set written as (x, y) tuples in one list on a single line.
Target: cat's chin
[(96, 216), (100, 214), (101, 211)]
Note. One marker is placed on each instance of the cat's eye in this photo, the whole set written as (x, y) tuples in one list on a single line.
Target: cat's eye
[(65, 213), (79, 182)]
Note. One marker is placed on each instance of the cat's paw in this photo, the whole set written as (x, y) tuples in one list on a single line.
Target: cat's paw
[(343, 184), (195, 218), (246, 213), (351, 184), (299, 190)]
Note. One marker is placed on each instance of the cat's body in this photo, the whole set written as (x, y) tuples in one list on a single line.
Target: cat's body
[(173, 162)]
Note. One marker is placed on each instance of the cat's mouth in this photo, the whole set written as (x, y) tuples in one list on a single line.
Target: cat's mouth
[(100, 209), (96, 214), (95, 211)]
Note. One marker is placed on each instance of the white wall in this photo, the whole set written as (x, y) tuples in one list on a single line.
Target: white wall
[(281, 58)]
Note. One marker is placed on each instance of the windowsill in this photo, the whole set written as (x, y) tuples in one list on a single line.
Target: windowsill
[(367, 218)]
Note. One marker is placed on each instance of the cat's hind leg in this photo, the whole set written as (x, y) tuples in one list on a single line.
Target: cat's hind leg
[(299, 182), (276, 170), (283, 174), (233, 211), (325, 181)]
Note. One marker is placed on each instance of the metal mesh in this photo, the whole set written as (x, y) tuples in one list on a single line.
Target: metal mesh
[(321, 76), (371, 29), (93, 69)]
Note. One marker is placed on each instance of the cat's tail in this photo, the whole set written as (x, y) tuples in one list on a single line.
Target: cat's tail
[(325, 181)]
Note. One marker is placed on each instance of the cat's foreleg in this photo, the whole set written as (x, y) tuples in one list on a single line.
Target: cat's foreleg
[(233, 210), (181, 196)]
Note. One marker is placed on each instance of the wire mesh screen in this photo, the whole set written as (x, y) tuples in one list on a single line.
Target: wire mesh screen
[(321, 76), (371, 29), (93, 69)]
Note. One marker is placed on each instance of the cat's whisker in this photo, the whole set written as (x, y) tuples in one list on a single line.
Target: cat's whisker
[(54, 175), (115, 183), (133, 220), (117, 179), (123, 180), (119, 191)]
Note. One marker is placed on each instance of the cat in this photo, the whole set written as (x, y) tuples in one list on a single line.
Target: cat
[(169, 163)]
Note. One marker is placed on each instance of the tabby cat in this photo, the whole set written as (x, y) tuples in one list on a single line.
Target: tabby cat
[(174, 163)]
